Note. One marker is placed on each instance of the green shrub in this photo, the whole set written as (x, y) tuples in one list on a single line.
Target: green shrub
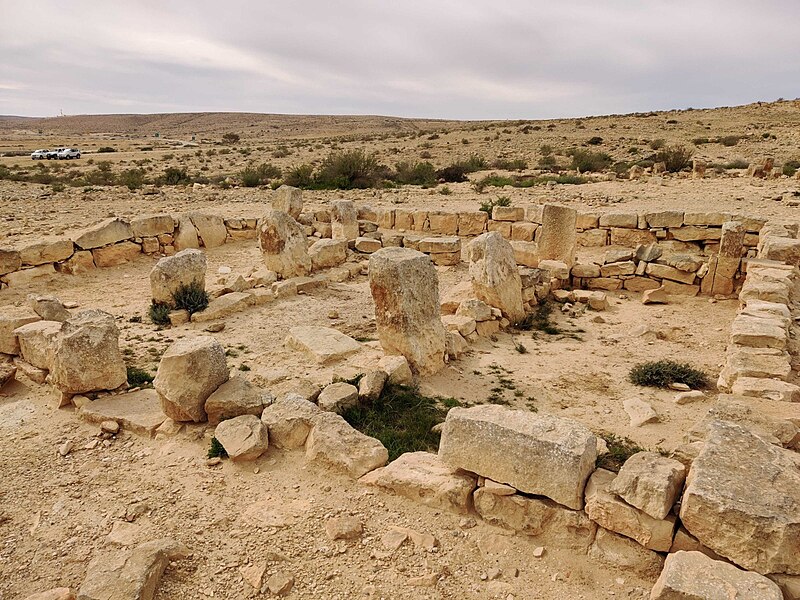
[(216, 450), (351, 169), (230, 138), (401, 419), (661, 373), (139, 377), (516, 164), (729, 140), (539, 320), (676, 158), (133, 179), (250, 177), (175, 176), (454, 173), (736, 164), (159, 313), (547, 161), (281, 152), (586, 160), (445, 191), (490, 204), (657, 144), (790, 167), (105, 149), (421, 173), (545, 149), (595, 140), (301, 176), (620, 449), (700, 141), (190, 297)]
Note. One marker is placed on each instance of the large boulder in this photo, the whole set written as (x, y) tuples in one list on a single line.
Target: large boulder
[(290, 419), (283, 245), (244, 437), (694, 576), (289, 200), (328, 253), (533, 452), (49, 250), (185, 236), (495, 278), (344, 220), (189, 372), (742, 500), (405, 290), (86, 355), (234, 398), (152, 225), (171, 272)]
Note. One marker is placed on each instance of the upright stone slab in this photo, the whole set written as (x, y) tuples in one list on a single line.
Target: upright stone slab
[(289, 200), (558, 236), (742, 500), (722, 268), (172, 272), (86, 354), (210, 228), (405, 289), (283, 245), (495, 278), (533, 452), (344, 220)]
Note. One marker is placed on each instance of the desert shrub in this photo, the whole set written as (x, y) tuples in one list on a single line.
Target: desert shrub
[(474, 162), (790, 167), (281, 152), (159, 313), (57, 187), (139, 377), (402, 419), (216, 450), (539, 320), (493, 180), (230, 138), (676, 158), (421, 173), (699, 141), (738, 163), (515, 164), (190, 297), (301, 176), (586, 160), (350, 169), (445, 191), (661, 373), (729, 140), (657, 144), (454, 173), (490, 204), (249, 177), (620, 449), (425, 154), (548, 161), (545, 149), (175, 176), (105, 149), (253, 176), (133, 179), (594, 140)]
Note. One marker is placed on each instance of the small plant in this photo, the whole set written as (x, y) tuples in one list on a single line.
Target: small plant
[(520, 348), (657, 144), (244, 368), (445, 191), (216, 450), (105, 149), (139, 377), (175, 176), (594, 140), (489, 205), (539, 320), (676, 158), (159, 313), (135, 319), (585, 160), (421, 173), (620, 449), (190, 297), (230, 138), (661, 373), (301, 176), (131, 178)]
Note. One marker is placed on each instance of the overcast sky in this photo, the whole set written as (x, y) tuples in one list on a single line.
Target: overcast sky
[(465, 59)]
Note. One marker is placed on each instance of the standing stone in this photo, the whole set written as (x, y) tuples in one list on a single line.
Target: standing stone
[(283, 245), (171, 272), (742, 500), (86, 354), (289, 200), (693, 575), (535, 453), (189, 372), (558, 236), (698, 168), (344, 220), (405, 289), (495, 278), (722, 268), (210, 228), (185, 235)]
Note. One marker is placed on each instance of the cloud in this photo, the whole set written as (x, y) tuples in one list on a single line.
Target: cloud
[(446, 58)]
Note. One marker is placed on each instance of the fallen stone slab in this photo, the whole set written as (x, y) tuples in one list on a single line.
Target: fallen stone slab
[(12, 318), (422, 477), (107, 232), (244, 437), (48, 308), (533, 452), (322, 344), (234, 398), (756, 332), (770, 389), (334, 442), (224, 306), (650, 482), (138, 412), (8, 371), (740, 483), (767, 363), (620, 551), (337, 397), (693, 575)]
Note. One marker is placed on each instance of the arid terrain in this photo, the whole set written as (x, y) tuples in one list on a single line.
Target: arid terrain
[(58, 512)]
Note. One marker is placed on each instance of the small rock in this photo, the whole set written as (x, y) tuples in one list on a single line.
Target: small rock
[(333, 314), (538, 552), (344, 528), (640, 412), (280, 584), (687, 397), (213, 462), (215, 327), (109, 427), (679, 387), (656, 296), (65, 448), (224, 270)]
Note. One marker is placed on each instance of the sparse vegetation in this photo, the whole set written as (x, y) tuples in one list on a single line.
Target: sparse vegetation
[(587, 161), (190, 297), (490, 204), (230, 138), (139, 377), (216, 450), (661, 373), (620, 449), (159, 313), (676, 158)]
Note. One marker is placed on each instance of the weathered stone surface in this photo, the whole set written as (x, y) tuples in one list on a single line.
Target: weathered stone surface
[(535, 453), (61, 593), (624, 220), (46, 251), (283, 245), (422, 477), (474, 309), (37, 342), (558, 236), (152, 225), (671, 273), (86, 356), (116, 254), (753, 362), (288, 199), (694, 576), (8, 371), (640, 412), (185, 236), (618, 268), (650, 482), (495, 278), (367, 245), (397, 369), (328, 253), (210, 228), (223, 306), (656, 295), (547, 521), (630, 238), (585, 271), (692, 233), (770, 389), (138, 412), (334, 442), (322, 344), (290, 420), (244, 437), (344, 220), (189, 372), (371, 385), (337, 397), (79, 263), (234, 398), (405, 290), (107, 232), (757, 332), (440, 244), (620, 551), (740, 484), (608, 511), (10, 260), (181, 269), (508, 213), (781, 249), (48, 308), (666, 218), (12, 318), (130, 574)]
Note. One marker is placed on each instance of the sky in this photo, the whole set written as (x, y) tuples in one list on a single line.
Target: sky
[(457, 59)]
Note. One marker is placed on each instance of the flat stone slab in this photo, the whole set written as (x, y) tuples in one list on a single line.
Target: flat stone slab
[(223, 306), (138, 412), (323, 344)]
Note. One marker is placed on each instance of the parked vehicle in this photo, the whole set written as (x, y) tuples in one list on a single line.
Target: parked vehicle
[(54, 153), (68, 153), (40, 154)]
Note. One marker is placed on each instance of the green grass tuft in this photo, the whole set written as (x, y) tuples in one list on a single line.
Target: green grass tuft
[(620, 449), (190, 297), (159, 313), (216, 449), (139, 377)]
